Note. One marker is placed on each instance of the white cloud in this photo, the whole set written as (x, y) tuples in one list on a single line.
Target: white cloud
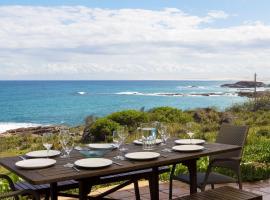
[(88, 43)]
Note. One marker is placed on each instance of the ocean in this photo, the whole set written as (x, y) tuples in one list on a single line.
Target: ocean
[(31, 103)]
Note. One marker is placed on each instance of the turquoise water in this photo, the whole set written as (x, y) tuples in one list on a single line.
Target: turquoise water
[(54, 102)]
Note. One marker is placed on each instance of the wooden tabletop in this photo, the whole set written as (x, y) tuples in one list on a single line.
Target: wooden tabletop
[(58, 172)]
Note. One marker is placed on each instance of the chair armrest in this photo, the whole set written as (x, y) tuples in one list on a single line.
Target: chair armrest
[(8, 179), (20, 192)]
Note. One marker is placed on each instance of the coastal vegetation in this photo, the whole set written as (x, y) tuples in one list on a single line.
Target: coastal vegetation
[(206, 122)]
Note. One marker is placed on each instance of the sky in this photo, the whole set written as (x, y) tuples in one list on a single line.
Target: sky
[(134, 40)]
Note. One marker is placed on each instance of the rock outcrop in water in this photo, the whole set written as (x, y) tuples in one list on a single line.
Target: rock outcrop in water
[(244, 84)]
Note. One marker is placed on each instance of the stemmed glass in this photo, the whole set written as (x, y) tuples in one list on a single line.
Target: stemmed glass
[(63, 138), (165, 135), (68, 147), (189, 131), (47, 141), (119, 137)]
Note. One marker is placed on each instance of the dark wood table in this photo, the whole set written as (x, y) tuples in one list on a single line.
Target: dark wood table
[(59, 173)]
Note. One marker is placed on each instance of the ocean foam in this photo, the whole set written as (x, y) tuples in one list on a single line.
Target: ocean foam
[(212, 94), (5, 126), (82, 93)]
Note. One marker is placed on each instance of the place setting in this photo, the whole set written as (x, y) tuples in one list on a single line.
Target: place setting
[(41, 158), (191, 144)]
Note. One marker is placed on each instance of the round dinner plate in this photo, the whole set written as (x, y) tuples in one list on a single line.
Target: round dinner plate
[(101, 146), (188, 148), (43, 154), (145, 155), (188, 141), (35, 163), (93, 162), (139, 142)]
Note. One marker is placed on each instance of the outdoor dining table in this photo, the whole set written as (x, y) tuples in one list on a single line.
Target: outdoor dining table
[(58, 172)]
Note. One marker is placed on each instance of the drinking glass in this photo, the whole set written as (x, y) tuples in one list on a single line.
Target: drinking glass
[(117, 140), (189, 131), (165, 135), (69, 145), (123, 134), (47, 141), (63, 138)]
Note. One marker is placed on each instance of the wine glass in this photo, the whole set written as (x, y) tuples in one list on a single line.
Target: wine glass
[(165, 135), (189, 131), (69, 145), (47, 141), (117, 140), (63, 138), (123, 134)]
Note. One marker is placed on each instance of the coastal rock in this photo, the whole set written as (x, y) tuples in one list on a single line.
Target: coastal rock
[(39, 130), (244, 84), (226, 117), (251, 94)]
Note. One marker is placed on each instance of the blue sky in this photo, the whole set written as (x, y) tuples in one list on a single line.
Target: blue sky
[(134, 39)]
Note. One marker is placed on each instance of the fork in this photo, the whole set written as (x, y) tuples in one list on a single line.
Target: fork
[(22, 157), (120, 164), (76, 169)]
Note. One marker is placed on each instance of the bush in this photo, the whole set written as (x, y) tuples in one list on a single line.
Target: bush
[(131, 118), (263, 132), (169, 115), (102, 129), (260, 103)]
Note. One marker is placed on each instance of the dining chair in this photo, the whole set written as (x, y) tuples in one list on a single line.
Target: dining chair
[(228, 134), (16, 193)]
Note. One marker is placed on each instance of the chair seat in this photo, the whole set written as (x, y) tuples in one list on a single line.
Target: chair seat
[(224, 193), (213, 178), (64, 185)]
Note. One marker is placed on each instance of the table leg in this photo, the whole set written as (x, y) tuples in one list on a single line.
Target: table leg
[(153, 184), (84, 189), (192, 168), (53, 191)]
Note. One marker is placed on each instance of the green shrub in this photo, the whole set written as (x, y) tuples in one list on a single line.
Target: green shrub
[(102, 129), (169, 115), (263, 132), (260, 103), (131, 118)]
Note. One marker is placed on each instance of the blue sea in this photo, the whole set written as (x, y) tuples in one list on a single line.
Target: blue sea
[(26, 103)]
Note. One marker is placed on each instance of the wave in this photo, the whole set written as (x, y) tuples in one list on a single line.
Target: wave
[(191, 87), (82, 93), (212, 94), (5, 126)]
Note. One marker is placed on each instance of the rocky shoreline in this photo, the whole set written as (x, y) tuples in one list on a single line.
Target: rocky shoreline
[(39, 130)]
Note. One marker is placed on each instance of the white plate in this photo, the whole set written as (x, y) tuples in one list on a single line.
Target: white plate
[(188, 141), (43, 154), (35, 163), (145, 155), (101, 146), (93, 162), (139, 142), (188, 148)]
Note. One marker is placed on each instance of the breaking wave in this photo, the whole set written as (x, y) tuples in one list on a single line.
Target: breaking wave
[(212, 94)]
